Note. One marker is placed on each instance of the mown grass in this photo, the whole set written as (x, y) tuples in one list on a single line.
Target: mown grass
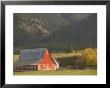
[(59, 55), (59, 72)]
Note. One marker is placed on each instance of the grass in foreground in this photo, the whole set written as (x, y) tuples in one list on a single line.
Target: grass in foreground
[(60, 72)]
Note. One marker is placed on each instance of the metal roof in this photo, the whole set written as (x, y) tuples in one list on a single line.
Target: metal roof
[(32, 53), (25, 62), (30, 56)]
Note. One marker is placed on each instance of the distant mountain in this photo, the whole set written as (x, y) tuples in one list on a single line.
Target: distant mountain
[(82, 33), (50, 20), (57, 30)]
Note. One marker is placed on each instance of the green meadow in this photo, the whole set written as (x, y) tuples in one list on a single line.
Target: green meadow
[(59, 72)]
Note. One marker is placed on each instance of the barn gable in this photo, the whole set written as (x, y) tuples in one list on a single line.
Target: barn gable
[(47, 62)]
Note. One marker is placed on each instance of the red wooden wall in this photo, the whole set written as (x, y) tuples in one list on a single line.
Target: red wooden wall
[(47, 62)]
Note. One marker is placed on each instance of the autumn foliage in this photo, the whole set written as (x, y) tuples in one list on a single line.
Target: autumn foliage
[(90, 56)]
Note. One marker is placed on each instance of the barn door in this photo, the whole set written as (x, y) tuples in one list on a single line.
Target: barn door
[(43, 67)]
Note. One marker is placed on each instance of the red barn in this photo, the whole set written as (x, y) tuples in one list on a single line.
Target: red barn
[(36, 59)]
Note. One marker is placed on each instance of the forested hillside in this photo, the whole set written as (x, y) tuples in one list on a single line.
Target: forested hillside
[(55, 31)]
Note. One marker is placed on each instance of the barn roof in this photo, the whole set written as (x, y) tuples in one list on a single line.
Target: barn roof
[(25, 62), (30, 56), (32, 53)]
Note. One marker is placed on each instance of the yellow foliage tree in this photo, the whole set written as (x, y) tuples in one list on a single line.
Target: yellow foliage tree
[(90, 56)]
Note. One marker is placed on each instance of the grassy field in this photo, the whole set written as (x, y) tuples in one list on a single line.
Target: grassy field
[(60, 72), (59, 55)]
